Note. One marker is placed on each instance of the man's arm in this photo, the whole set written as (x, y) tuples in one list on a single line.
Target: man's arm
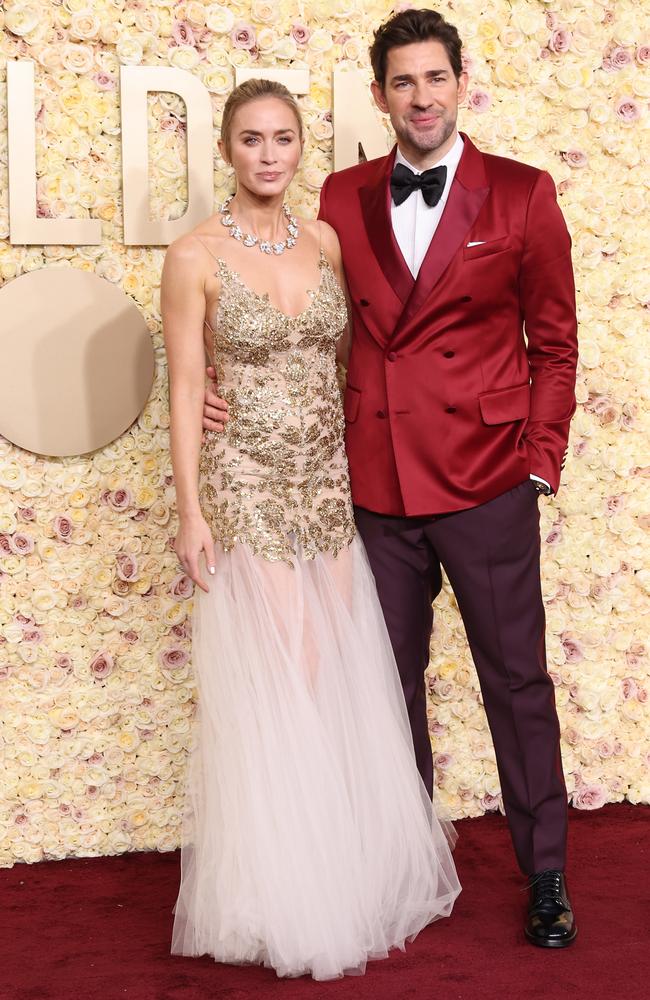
[(547, 295)]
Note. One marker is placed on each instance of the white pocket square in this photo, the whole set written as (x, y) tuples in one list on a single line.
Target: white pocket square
[(476, 243)]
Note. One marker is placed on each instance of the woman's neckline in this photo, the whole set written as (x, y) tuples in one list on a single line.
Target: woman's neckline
[(265, 298)]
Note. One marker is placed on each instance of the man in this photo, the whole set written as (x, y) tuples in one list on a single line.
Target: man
[(455, 422)]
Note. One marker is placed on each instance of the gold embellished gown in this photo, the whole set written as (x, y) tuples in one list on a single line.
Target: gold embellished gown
[(310, 844)]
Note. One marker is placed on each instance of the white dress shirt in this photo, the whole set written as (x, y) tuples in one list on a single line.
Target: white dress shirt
[(415, 222)]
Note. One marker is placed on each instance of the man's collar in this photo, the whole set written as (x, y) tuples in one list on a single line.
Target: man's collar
[(450, 160)]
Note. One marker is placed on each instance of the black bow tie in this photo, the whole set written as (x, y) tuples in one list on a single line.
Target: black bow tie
[(431, 183)]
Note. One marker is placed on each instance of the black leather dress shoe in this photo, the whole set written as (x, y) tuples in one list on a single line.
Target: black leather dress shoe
[(550, 922)]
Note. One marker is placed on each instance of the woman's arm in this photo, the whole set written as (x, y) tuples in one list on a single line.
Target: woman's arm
[(332, 248), (183, 312)]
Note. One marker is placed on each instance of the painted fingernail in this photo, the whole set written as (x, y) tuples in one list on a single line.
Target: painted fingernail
[(212, 570)]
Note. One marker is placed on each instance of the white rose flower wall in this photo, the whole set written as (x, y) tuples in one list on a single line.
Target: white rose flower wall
[(95, 671)]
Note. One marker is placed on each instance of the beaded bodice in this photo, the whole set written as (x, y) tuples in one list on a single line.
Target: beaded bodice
[(277, 478)]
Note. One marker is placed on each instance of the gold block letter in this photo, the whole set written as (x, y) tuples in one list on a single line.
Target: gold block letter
[(24, 225), (136, 82)]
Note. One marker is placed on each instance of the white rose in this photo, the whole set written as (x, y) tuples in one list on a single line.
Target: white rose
[(22, 18), (129, 51), (184, 57), (219, 18), (84, 25), (77, 58)]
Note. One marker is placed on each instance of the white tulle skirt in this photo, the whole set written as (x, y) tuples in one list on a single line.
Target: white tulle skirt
[(310, 843)]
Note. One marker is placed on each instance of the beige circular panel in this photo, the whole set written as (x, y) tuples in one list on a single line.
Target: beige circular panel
[(76, 359)]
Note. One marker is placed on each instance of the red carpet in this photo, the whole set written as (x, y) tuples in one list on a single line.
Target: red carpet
[(99, 929)]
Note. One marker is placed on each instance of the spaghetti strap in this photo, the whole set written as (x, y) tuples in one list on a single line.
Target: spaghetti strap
[(322, 258), (205, 247)]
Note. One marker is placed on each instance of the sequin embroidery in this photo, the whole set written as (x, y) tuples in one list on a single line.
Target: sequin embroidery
[(277, 477)]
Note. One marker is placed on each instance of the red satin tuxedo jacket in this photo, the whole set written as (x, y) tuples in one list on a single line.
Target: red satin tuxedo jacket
[(447, 403)]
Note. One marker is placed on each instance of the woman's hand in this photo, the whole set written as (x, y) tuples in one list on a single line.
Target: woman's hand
[(193, 538)]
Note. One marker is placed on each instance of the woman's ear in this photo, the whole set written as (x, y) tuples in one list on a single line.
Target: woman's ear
[(222, 152)]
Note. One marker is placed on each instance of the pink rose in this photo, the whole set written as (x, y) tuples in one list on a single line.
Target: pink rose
[(629, 689), (20, 544), (635, 654), (643, 55), (5, 544), (575, 158), (552, 21), (479, 101), (62, 527), (182, 33), (300, 33), (4, 671), (78, 602), (554, 536), (619, 57), (627, 109), (173, 658), (120, 499), (467, 64), (242, 36), (127, 566), (589, 797), (605, 748), (442, 761), (33, 635), (101, 666), (490, 803), (64, 662), (560, 40), (26, 514), (615, 503), (180, 631), (181, 586), (130, 636), (105, 81), (168, 123), (573, 651)]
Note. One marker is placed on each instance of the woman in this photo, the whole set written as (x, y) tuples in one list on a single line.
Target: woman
[(311, 844)]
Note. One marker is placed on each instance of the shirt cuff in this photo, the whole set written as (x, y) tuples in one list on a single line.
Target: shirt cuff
[(539, 479)]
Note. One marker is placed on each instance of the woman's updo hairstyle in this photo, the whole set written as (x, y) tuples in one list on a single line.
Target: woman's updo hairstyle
[(252, 90)]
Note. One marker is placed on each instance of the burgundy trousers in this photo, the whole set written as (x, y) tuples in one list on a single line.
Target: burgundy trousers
[(491, 555)]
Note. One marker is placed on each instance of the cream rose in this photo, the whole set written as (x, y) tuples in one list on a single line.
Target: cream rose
[(22, 18)]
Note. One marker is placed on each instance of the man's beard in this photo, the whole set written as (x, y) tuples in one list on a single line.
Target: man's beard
[(428, 143)]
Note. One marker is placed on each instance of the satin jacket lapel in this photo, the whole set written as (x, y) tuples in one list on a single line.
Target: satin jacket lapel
[(375, 207), (468, 192)]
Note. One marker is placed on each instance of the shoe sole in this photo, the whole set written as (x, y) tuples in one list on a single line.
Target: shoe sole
[(550, 942)]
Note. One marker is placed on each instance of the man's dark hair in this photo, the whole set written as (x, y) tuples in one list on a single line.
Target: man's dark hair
[(414, 26)]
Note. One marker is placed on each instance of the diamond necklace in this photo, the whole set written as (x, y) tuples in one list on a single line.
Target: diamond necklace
[(251, 241)]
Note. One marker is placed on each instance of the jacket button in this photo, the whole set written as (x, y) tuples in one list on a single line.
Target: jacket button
[(466, 298), (450, 409), (364, 302), (449, 354), (391, 356), (381, 414)]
